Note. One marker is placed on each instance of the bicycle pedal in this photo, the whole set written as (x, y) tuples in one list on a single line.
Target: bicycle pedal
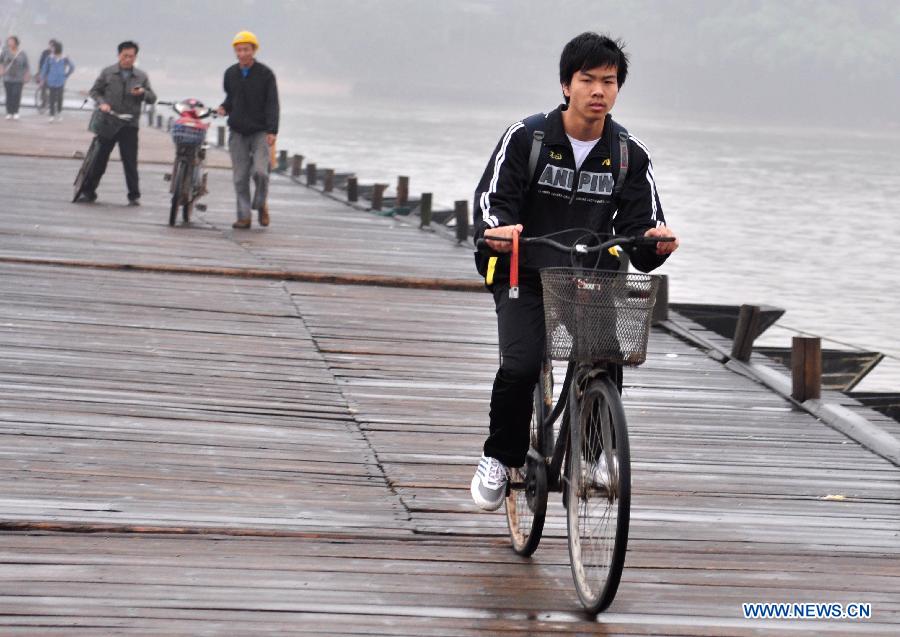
[(200, 206)]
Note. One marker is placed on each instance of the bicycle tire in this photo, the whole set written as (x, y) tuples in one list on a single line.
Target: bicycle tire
[(526, 506), (597, 517), (177, 190), (41, 100), (89, 157)]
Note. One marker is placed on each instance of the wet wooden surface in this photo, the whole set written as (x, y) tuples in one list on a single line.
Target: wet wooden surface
[(205, 455)]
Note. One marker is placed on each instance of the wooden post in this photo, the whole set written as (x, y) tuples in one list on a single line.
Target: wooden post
[(806, 368), (169, 124), (311, 174), (402, 190), (296, 165), (282, 161), (159, 121), (151, 111), (329, 180), (220, 139), (352, 189), (378, 196), (425, 210), (661, 309), (461, 210), (746, 330)]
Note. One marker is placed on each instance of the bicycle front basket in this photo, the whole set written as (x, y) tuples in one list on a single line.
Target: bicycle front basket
[(191, 135), (596, 315), (104, 125)]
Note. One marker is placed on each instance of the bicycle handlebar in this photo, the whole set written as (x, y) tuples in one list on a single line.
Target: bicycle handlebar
[(581, 249)]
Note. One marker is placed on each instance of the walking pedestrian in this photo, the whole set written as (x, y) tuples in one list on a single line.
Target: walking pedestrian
[(54, 73), (122, 88), (251, 103), (15, 72)]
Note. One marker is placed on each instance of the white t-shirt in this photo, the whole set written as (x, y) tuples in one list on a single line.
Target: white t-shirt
[(581, 149)]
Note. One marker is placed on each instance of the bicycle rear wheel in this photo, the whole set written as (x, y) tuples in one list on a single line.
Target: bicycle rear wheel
[(526, 503), (599, 501), (85, 169)]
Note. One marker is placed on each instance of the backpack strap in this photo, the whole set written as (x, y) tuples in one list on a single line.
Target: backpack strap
[(619, 152), (535, 124)]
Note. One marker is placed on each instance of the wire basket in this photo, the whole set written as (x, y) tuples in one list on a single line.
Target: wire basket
[(105, 125), (596, 315), (191, 135)]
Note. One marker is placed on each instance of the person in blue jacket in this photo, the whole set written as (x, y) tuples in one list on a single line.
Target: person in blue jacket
[(55, 70)]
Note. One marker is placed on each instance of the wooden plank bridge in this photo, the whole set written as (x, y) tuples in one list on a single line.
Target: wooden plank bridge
[(185, 452)]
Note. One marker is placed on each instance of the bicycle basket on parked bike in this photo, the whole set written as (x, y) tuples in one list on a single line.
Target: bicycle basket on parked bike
[(105, 125), (595, 315), (186, 134)]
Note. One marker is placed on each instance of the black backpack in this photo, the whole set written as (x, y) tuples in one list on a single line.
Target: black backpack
[(618, 153)]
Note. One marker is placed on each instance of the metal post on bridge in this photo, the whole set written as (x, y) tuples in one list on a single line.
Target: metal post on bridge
[(311, 172), (402, 191), (282, 161), (296, 165), (329, 180), (745, 332), (461, 211), (425, 210), (220, 137), (378, 196), (661, 309), (806, 368), (352, 189)]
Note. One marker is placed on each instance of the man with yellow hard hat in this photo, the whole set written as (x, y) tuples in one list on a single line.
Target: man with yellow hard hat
[(251, 103)]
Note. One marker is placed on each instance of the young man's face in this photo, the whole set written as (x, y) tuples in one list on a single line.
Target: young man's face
[(127, 58), (11, 43), (244, 53), (592, 93)]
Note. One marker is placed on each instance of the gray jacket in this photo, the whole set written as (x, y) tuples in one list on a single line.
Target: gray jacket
[(16, 66), (110, 88)]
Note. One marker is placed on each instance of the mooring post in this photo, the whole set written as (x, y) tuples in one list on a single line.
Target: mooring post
[(159, 121), (806, 367), (745, 332), (402, 190), (311, 174), (296, 165), (352, 189), (378, 196), (282, 161), (329, 180), (461, 211), (661, 309), (151, 111), (425, 210), (220, 139), (169, 124)]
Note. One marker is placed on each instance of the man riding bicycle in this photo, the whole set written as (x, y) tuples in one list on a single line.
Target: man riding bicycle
[(573, 171)]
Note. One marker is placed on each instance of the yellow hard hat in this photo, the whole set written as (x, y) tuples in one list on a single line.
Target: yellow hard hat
[(245, 37)]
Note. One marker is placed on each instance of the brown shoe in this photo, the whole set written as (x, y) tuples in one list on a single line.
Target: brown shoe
[(264, 215), (241, 224)]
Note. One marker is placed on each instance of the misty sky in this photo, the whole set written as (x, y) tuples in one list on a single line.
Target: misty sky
[(811, 61)]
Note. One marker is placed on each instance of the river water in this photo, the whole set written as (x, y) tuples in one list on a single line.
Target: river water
[(799, 218)]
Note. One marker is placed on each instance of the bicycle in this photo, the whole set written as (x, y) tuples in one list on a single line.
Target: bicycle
[(188, 177), (42, 98), (594, 319), (104, 125)]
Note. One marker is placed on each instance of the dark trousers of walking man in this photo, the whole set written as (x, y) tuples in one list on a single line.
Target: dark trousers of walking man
[(127, 139), (13, 96)]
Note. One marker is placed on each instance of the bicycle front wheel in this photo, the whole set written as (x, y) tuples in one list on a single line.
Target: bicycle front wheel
[(599, 493), (526, 504), (86, 165), (179, 177)]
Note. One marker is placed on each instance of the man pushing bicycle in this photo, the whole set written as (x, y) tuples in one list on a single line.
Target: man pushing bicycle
[(573, 172)]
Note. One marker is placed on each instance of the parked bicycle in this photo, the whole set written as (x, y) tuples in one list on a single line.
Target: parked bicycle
[(188, 177), (104, 125), (595, 320)]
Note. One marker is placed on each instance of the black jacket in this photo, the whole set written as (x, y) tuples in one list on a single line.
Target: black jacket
[(111, 88), (251, 102), (556, 197)]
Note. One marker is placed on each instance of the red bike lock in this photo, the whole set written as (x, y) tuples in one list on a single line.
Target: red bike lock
[(514, 267)]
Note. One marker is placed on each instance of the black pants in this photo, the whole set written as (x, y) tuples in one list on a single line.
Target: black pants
[(127, 139), (13, 96), (56, 97), (520, 325)]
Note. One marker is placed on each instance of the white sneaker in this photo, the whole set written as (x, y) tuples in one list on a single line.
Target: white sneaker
[(8, 116), (16, 116), (601, 477), (489, 483), (51, 119)]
